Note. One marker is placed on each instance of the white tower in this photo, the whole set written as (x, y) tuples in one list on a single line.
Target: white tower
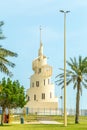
[(41, 92)]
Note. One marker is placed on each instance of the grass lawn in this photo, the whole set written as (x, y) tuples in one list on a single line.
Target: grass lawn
[(71, 125), (82, 126)]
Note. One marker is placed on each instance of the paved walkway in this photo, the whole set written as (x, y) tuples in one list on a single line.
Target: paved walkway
[(49, 122), (38, 122)]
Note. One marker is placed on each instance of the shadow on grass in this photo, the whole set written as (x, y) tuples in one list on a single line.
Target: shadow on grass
[(5, 125)]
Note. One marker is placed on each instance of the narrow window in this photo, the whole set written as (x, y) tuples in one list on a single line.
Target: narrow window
[(39, 71), (33, 84), (43, 95), (37, 83), (44, 82), (50, 94), (28, 98), (34, 96), (48, 81)]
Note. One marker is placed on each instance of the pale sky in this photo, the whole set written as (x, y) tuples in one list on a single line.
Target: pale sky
[(22, 20)]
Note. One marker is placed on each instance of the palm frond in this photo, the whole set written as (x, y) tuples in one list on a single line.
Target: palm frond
[(75, 85), (84, 69), (84, 84), (70, 73), (85, 80), (1, 23), (5, 61), (80, 61), (70, 64), (58, 80), (5, 70), (60, 75), (68, 82), (5, 53), (73, 66), (74, 62), (85, 59), (60, 83)]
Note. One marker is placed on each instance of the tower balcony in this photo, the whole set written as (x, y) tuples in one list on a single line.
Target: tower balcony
[(37, 63), (47, 71)]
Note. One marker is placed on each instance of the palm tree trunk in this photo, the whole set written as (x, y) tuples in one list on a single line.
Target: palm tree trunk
[(77, 103), (2, 116)]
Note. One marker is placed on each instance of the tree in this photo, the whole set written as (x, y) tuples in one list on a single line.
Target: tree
[(76, 75), (12, 95), (4, 53)]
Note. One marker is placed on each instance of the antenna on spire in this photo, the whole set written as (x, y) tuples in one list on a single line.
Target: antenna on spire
[(40, 53), (40, 34)]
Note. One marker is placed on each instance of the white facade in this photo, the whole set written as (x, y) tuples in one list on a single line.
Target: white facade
[(40, 95)]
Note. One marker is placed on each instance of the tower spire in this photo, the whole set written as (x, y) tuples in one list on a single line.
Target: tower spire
[(40, 52), (40, 34)]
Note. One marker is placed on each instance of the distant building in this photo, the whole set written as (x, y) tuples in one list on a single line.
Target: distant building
[(40, 95)]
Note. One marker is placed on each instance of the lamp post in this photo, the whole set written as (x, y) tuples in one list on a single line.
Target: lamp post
[(65, 112)]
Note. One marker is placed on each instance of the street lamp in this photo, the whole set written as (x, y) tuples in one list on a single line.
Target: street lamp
[(65, 112)]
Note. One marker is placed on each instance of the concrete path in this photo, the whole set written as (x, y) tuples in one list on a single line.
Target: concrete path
[(50, 122), (38, 122)]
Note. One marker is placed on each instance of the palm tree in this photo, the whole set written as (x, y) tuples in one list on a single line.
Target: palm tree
[(4, 53), (4, 62), (76, 75)]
